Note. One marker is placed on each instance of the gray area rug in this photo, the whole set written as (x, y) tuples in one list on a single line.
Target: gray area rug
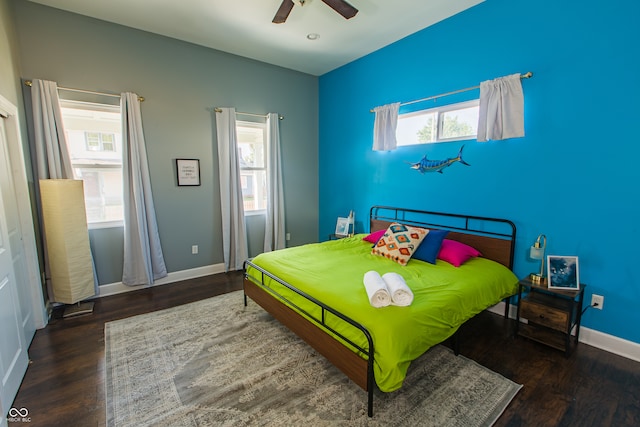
[(217, 363)]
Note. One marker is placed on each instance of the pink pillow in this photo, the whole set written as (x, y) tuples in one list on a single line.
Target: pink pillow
[(456, 253), (375, 236)]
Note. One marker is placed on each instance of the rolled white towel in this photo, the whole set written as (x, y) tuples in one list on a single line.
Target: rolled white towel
[(376, 289), (400, 293)]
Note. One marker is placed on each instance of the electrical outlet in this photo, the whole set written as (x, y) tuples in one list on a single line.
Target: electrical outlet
[(288, 236), (194, 249), (597, 301)]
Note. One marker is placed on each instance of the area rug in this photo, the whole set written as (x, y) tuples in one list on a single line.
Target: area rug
[(218, 363)]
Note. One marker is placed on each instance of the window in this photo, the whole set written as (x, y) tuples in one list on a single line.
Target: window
[(252, 151), (98, 141), (94, 138), (442, 124)]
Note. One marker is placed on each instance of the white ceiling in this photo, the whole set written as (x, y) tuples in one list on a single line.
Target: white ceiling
[(244, 27)]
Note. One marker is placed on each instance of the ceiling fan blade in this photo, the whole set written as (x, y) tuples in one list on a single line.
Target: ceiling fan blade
[(342, 7), (283, 12)]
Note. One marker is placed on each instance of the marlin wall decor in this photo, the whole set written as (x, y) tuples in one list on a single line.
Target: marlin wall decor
[(426, 165)]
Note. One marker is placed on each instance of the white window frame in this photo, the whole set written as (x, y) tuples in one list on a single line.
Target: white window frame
[(440, 113), (263, 127)]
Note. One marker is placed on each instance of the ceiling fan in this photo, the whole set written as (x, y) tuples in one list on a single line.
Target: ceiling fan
[(340, 6)]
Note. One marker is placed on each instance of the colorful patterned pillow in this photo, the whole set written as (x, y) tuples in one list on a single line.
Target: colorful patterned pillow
[(399, 242)]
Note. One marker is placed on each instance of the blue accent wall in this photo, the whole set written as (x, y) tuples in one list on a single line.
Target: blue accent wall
[(573, 177)]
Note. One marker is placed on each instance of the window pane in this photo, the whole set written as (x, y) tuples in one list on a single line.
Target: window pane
[(254, 189), (252, 157), (94, 139), (459, 123), (416, 128), (108, 141), (102, 193), (251, 145), (446, 123), (251, 154)]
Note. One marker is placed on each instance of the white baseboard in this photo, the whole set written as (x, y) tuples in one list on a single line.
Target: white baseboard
[(610, 343), (606, 342), (176, 276)]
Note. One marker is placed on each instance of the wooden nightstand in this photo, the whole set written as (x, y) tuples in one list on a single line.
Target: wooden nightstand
[(552, 314)]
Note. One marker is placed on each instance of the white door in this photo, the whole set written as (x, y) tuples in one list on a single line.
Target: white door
[(19, 218), (13, 351), (14, 231)]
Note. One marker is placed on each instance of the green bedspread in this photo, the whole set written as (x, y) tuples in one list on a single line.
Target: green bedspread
[(444, 297)]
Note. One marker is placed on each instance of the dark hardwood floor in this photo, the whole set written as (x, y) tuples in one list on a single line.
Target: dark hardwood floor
[(64, 385)]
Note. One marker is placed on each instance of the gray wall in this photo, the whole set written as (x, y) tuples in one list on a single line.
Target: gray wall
[(9, 65), (10, 88), (181, 82)]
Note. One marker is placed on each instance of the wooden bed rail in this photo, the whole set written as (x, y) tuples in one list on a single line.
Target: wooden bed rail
[(315, 331)]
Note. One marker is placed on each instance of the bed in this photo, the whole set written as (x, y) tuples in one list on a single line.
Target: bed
[(317, 291)]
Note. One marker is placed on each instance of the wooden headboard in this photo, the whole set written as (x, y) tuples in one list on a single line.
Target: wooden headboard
[(495, 238)]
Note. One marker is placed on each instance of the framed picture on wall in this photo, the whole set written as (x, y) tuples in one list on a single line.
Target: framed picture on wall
[(342, 226), (188, 171), (562, 272)]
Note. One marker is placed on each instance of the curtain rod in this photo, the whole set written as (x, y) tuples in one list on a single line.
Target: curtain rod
[(30, 83), (526, 75), (219, 110)]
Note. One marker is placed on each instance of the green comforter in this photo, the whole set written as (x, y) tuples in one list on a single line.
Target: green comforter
[(444, 297)]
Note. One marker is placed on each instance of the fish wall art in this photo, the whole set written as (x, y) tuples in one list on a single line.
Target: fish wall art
[(426, 165)]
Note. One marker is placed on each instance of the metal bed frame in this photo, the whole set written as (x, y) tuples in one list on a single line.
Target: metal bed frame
[(496, 242)]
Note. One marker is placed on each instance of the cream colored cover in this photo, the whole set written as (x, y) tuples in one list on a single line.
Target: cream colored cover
[(67, 240)]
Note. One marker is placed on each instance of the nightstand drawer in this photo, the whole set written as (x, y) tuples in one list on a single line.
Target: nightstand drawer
[(552, 314), (544, 315)]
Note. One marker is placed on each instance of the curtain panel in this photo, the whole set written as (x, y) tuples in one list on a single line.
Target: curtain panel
[(384, 127), (234, 235), (274, 236), (52, 156), (143, 257), (501, 112)]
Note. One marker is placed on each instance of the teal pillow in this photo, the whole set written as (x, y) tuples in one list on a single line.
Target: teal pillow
[(430, 246)]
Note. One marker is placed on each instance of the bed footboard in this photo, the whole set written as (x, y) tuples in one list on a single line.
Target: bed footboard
[(314, 331)]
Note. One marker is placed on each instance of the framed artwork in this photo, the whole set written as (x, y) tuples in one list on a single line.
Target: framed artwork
[(342, 227), (562, 272), (188, 171)]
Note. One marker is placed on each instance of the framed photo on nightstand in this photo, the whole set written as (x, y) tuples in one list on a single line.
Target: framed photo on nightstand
[(562, 272), (342, 227)]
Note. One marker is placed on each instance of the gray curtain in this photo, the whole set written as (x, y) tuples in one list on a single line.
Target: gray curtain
[(143, 259), (52, 154), (274, 236), (234, 234)]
